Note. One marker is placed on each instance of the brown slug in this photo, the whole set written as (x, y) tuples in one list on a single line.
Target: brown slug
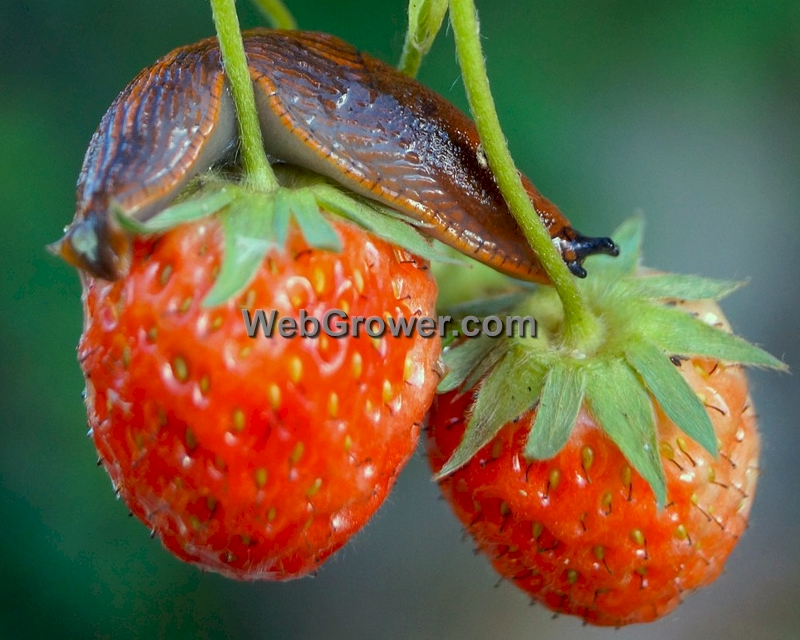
[(323, 106)]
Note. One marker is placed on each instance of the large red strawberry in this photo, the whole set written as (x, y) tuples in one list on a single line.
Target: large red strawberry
[(568, 467), (255, 457)]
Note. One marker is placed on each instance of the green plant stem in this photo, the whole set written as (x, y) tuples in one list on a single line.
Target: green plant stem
[(258, 173), (276, 13), (425, 18), (580, 327), (411, 57)]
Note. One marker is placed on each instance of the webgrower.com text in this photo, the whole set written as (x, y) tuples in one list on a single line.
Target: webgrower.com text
[(336, 323)]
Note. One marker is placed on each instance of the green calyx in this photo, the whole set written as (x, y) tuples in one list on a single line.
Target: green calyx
[(255, 222), (617, 373)]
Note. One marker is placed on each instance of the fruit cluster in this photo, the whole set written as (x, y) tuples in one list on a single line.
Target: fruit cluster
[(605, 466), (258, 458)]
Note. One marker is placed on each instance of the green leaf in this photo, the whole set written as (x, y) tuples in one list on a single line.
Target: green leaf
[(685, 287), (673, 393), (187, 211), (619, 404), (562, 396), (249, 234), (677, 332), (509, 391), (384, 226), (314, 226), (462, 359)]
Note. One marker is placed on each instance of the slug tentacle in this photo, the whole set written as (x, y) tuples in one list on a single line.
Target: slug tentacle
[(323, 106)]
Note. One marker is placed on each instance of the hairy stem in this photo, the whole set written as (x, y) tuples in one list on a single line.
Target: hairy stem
[(258, 173), (580, 326)]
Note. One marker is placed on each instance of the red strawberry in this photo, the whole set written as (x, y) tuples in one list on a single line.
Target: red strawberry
[(255, 457), (581, 531), (605, 508)]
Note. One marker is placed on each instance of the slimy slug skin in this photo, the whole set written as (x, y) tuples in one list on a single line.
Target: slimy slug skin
[(323, 106)]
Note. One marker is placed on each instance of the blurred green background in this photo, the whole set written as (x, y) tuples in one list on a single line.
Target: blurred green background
[(688, 110)]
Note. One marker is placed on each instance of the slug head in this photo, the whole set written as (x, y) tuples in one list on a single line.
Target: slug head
[(96, 245), (577, 247)]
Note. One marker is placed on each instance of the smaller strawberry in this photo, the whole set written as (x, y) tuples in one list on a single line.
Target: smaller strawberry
[(605, 483), (256, 457)]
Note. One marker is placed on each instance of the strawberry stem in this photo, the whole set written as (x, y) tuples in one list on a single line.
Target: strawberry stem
[(276, 14), (581, 328), (257, 170)]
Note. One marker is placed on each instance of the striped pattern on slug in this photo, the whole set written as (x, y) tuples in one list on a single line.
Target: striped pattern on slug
[(323, 106)]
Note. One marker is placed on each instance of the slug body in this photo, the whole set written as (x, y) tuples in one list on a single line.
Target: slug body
[(323, 106)]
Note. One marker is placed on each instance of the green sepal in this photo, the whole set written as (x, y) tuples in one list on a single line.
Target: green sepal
[(679, 286), (485, 365), (625, 373), (282, 212), (462, 359), (388, 227), (673, 393), (675, 331), (511, 390), (194, 208), (249, 234), (562, 395), (255, 222), (617, 401), (628, 238), (315, 227)]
